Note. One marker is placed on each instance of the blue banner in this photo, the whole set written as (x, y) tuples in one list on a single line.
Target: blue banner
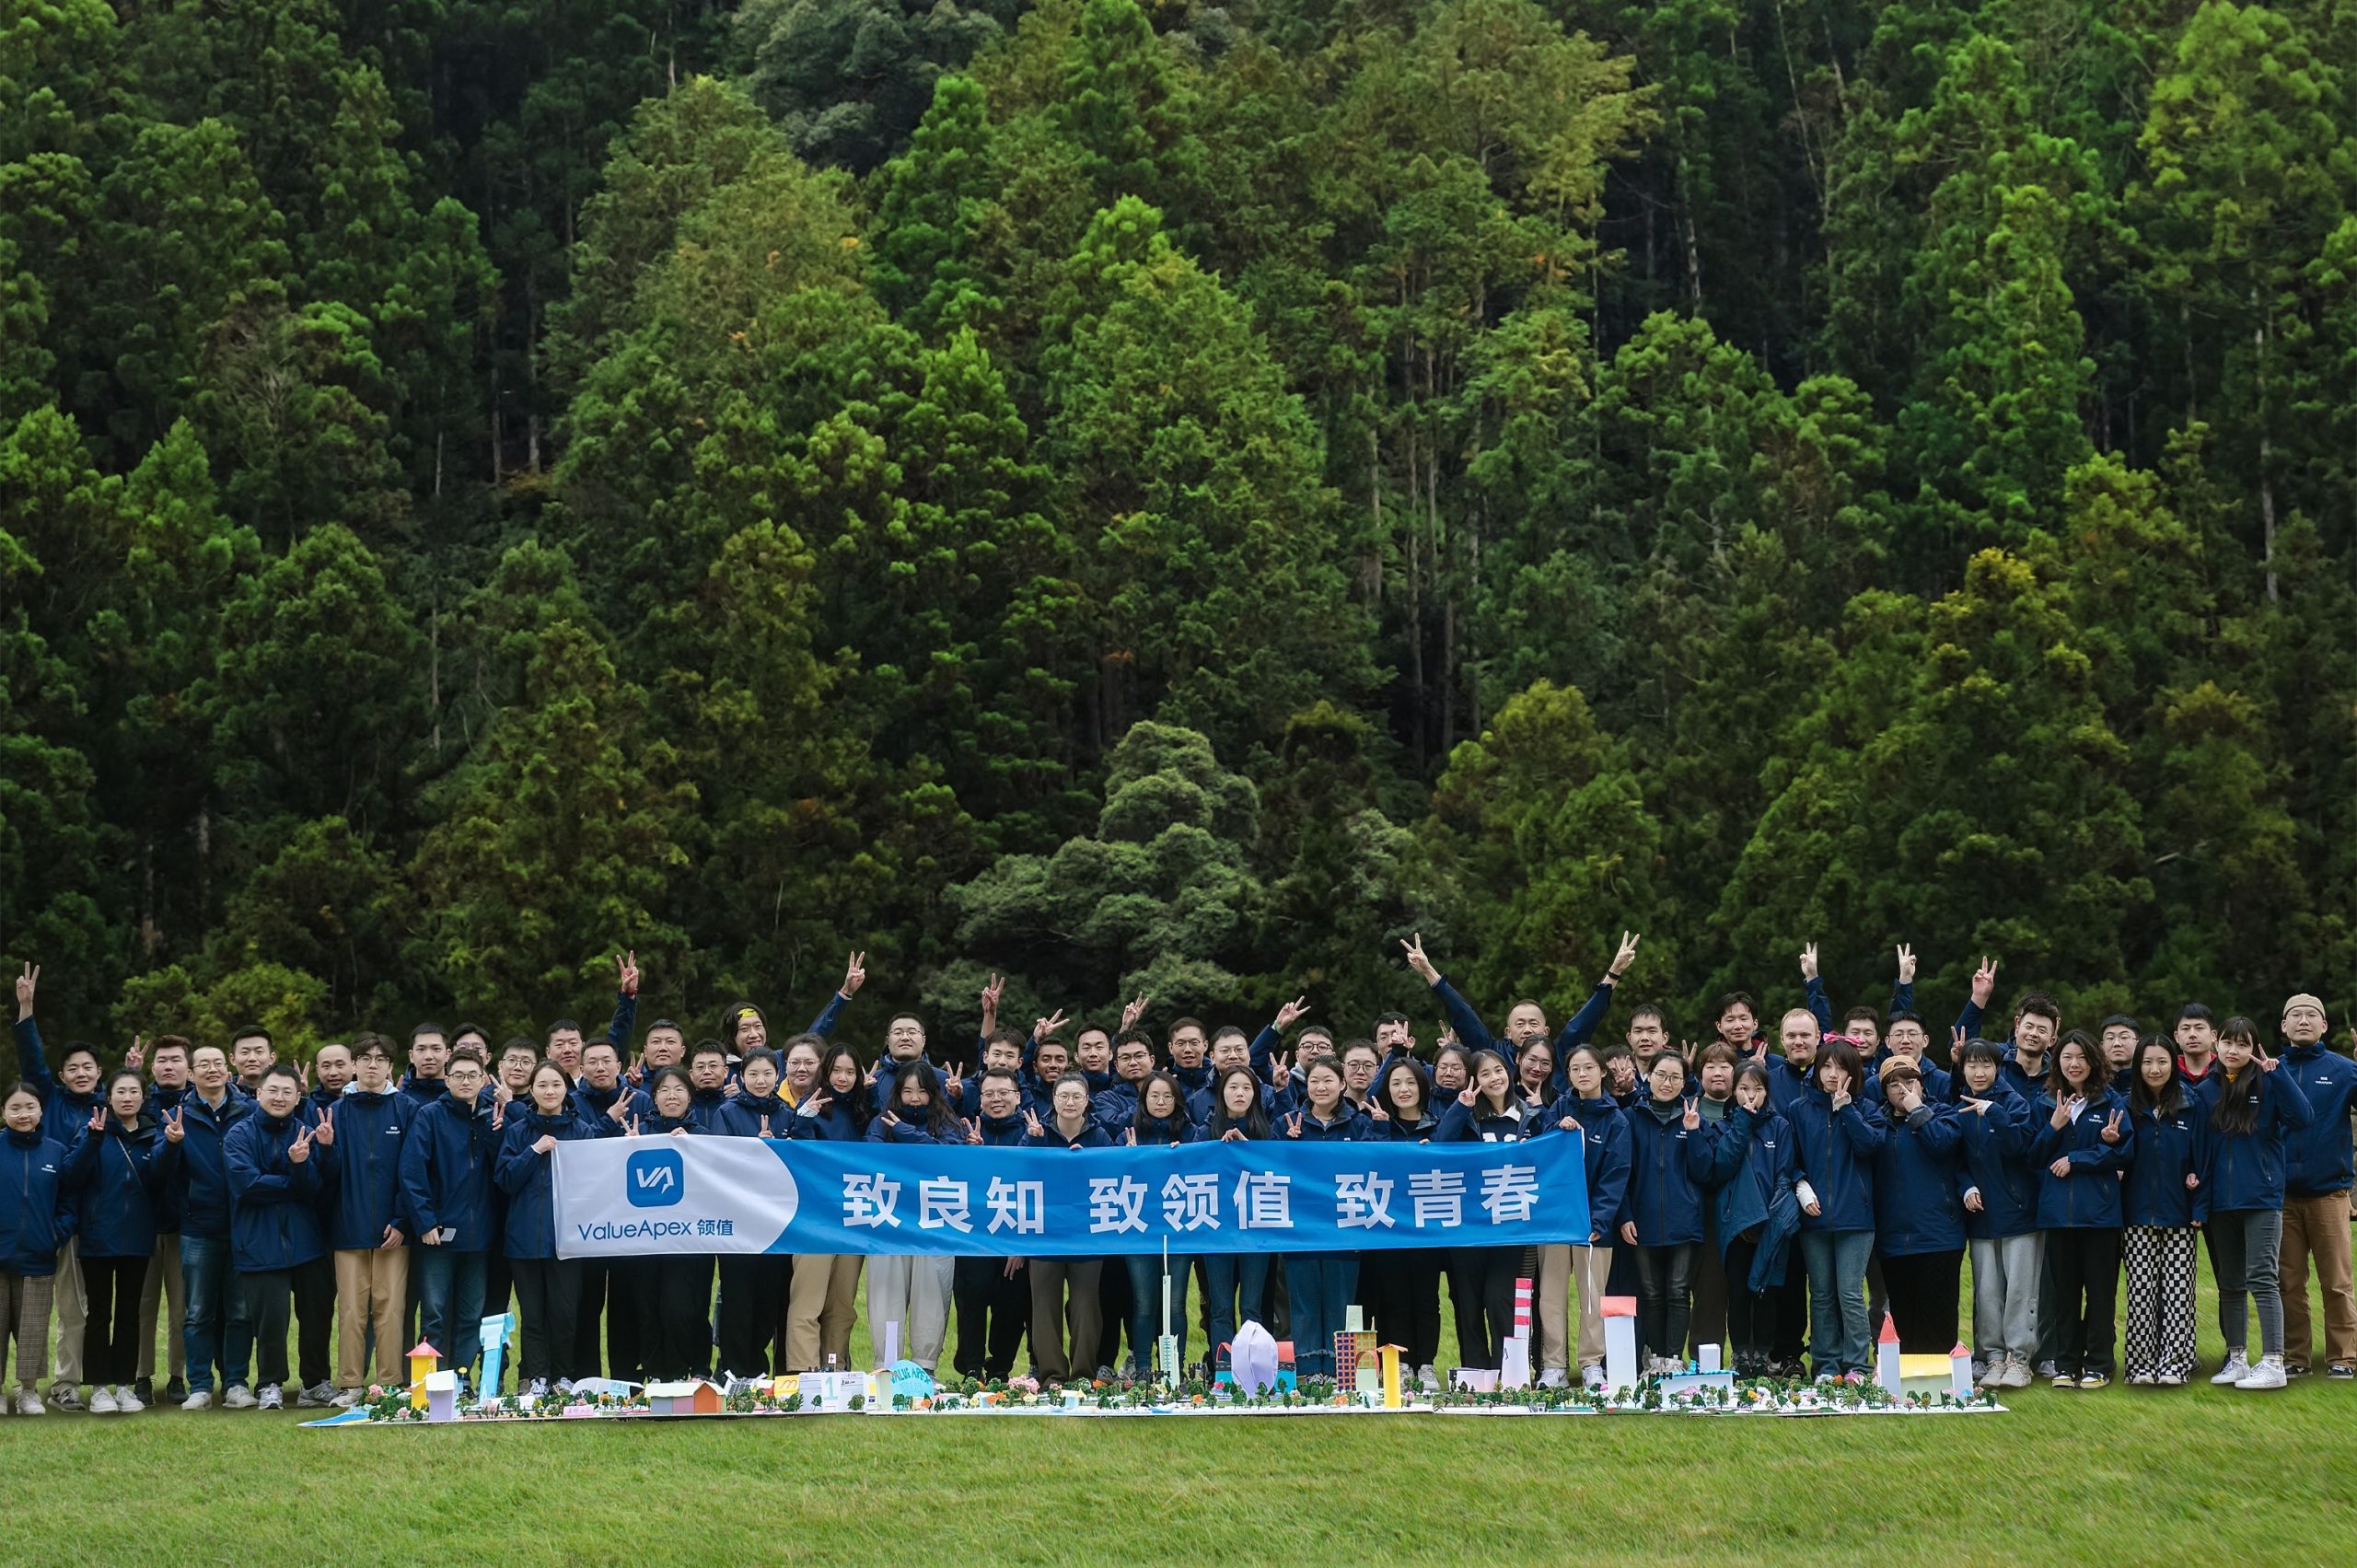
[(624, 1197)]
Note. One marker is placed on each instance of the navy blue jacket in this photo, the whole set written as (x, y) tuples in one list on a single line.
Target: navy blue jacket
[(65, 1114), (1920, 1183), (906, 1130), (1115, 1108), (1606, 1154), (118, 1175), (741, 1117), (1996, 1160), (1050, 1136), (170, 1201), (1751, 1167), (1002, 1132), (1834, 1153), (1348, 1126), (203, 1197), (526, 1176), (2167, 1149), (837, 1124), (364, 1167), (2316, 1160), (1461, 1123), (36, 1214), (1164, 1130), (1394, 1129), (1669, 1173), (2245, 1170), (1474, 1035), (273, 1200), (446, 1174), (2088, 1199), (1198, 1104)]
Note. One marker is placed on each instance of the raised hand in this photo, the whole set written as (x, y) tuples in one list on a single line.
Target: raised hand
[(2267, 1063), (1808, 961), (869, 1076), (324, 1133), (1468, 1097), (27, 984), (1277, 1065), (855, 974), (98, 1118), (299, 1150), (173, 1131), (1293, 1126), (1626, 956), (973, 1125), (1977, 1107), (1693, 1116), (626, 966), (1956, 1038), (1374, 1111), (2061, 1116), (1130, 1138), (137, 1054), (1984, 981), (500, 1093), (954, 1080), (619, 1110), (1906, 964), (630, 1126), (890, 1120), (1132, 1013), (498, 1115), (2111, 1129), (1291, 1013), (1031, 1121), (544, 1144), (1424, 968), (1044, 1029)]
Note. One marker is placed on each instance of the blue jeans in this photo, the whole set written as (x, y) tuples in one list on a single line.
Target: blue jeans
[(1229, 1272), (450, 1304), (1838, 1340), (204, 1273), (1145, 1307), (1319, 1286)]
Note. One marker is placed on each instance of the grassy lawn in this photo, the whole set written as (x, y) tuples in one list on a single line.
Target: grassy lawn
[(2121, 1475)]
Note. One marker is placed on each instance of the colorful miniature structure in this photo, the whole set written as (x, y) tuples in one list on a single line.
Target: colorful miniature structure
[(1961, 1373), (1288, 1375), (692, 1396), (831, 1390), (423, 1359), (1887, 1371), (1391, 1354), (441, 1390), (1353, 1346), (909, 1379), (1621, 1341), (495, 1332)]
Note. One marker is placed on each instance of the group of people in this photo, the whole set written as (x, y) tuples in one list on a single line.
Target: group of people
[(1772, 1193)]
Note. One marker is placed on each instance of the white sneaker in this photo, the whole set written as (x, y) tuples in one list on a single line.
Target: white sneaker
[(2171, 1379), (1993, 1375), (537, 1388), (65, 1396), (2268, 1374), (238, 1397), (2140, 1380), (346, 1398), (1554, 1378), (2235, 1371), (28, 1403), (198, 1399), (273, 1398), (103, 1399), (2017, 1373), (1592, 1376), (128, 1402)]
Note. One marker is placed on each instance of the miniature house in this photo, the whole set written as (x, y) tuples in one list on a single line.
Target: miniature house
[(1288, 1378), (1353, 1348), (692, 1396), (1621, 1341), (423, 1359)]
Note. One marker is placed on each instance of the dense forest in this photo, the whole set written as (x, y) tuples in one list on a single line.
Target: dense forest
[(1171, 497)]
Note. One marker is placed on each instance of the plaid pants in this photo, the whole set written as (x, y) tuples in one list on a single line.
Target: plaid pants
[(24, 1315), (2159, 1265)]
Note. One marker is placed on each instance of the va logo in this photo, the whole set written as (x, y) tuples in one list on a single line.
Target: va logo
[(653, 1178)]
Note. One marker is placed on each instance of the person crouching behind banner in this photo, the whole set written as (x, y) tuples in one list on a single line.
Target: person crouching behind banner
[(752, 1285), (1063, 1290), (993, 1295), (822, 1297), (911, 1292), (548, 1288), (1161, 1122), (675, 1290)]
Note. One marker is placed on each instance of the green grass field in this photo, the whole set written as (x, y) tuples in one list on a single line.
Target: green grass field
[(2123, 1475)]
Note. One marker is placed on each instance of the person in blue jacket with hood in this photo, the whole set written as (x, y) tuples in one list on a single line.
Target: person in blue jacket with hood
[(2253, 1111), (1670, 1154), (1587, 1104), (1918, 1209), (67, 1099), (279, 1176), (118, 1172), (36, 1216), (548, 1288), (822, 1294), (367, 1229), (1319, 1286), (1399, 1286), (446, 1189), (2082, 1145), (752, 1285), (2162, 1202), (909, 1290), (2000, 1217), (1751, 1182), (1836, 1134), (2316, 1182)]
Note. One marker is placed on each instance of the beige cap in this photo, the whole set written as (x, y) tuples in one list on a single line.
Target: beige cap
[(2304, 999)]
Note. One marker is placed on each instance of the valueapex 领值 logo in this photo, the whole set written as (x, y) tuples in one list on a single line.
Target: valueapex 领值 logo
[(654, 1178)]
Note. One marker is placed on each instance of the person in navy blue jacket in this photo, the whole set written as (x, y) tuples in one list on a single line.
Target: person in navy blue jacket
[(68, 1100), (674, 1290), (215, 1312), (1399, 1286), (1481, 1279), (1160, 1123), (992, 1296), (1836, 1134), (2000, 1215), (1065, 1298), (1669, 1172), (752, 1285), (118, 1172), (2315, 1195), (1526, 1020), (822, 1294), (446, 1189), (2080, 1148), (1605, 1157), (2253, 1113), (1751, 1180), (1319, 1286), (36, 1216), (279, 1173), (367, 1229), (548, 1288), (1918, 1209), (1235, 1283), (2161, 1202), (911, 1291)]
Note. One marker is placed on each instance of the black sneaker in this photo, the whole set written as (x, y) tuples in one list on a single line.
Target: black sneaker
[(2295, 1372), (176, 1391), (144, 1390), (2341, 1369)]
